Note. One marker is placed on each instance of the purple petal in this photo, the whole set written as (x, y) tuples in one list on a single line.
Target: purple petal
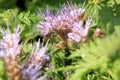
[(74, 37)]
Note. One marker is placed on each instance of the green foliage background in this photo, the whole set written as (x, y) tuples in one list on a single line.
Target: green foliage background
[(98, 60)]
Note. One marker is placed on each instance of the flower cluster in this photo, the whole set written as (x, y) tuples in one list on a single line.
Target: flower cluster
[(10, 44), (78, 31), (67, 23), (33, 68), (10, 48)]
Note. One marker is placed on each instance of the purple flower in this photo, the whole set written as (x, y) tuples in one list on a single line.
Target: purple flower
[(44, 27), (66, 22), (33, 68), (80, 30), (9, 45), (47, 24)]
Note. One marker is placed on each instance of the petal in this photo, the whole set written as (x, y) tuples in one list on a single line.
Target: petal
[(74, 37)]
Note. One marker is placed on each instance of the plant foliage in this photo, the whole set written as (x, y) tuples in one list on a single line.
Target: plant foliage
[(97, 59)]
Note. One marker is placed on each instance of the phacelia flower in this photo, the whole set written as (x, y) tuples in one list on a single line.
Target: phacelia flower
[(9, 45), (47, 25), (80, 30), (34, 68), (10, 49), (66, 22)]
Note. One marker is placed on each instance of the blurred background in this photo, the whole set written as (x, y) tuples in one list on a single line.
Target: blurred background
[(32, 5)]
